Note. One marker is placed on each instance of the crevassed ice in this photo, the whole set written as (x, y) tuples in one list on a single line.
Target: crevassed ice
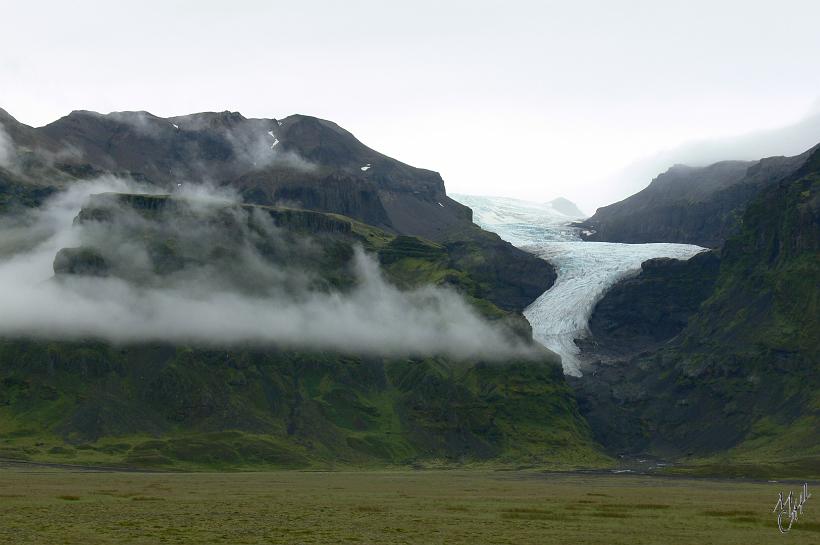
[(520, 222), (585, 270)]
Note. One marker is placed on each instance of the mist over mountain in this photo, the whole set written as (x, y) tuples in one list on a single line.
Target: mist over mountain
[(300, 162), (693, 205), (259, 292), (199, 268), (788, 140), (334, 296)]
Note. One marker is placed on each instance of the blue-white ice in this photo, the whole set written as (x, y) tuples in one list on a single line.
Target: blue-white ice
[(520, 222), (586, 270)]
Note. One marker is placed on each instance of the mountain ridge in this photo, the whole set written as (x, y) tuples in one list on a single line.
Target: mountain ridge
[(690, 205), (300, 161)]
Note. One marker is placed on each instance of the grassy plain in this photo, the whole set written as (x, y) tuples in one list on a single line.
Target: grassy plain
[(41, 505)]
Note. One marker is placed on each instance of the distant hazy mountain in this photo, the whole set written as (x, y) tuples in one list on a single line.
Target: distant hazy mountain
[(694, 205), (787, 141), (566, 207)]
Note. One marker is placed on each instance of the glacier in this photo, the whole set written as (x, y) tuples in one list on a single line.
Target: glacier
[(585, 270)]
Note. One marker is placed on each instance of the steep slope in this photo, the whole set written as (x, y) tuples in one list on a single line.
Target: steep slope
[(740, 383), (301, 160), (645, 311), (693, 205)]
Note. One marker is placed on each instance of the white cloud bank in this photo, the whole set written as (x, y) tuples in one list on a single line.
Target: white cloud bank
[(192, 307)]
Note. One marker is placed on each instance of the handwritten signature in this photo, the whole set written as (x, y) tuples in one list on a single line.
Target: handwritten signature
[(789, 508)]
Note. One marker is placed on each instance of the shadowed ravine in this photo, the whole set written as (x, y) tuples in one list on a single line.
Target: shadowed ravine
[(586, 270)]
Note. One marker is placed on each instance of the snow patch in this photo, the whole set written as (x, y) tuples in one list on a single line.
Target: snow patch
[(275, 140)]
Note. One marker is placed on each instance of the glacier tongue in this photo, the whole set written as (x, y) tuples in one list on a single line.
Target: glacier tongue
[(586, 270)]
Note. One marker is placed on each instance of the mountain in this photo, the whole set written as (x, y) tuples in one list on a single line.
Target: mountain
[(692, 205), (218, 405), (335, 309), (736, 389), (300, 161), (566, 207)]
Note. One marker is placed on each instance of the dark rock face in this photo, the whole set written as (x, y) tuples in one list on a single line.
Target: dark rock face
[(18, 193), (640, 313), (691, 205), (301, 160), (510, 282), (80, 261)]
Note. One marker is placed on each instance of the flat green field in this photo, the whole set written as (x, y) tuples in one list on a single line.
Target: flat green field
[(53, 506)]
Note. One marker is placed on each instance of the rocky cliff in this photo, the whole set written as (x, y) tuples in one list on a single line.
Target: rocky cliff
[(643, 312)]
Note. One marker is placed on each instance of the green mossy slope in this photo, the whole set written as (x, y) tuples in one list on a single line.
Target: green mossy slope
[(178, 407)]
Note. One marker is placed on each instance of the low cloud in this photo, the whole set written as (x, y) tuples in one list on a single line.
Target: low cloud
[(254, 143), (7, 152), (257, 147), (256, 300)]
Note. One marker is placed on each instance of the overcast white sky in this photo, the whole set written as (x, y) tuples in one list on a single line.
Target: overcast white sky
[(528, 99)]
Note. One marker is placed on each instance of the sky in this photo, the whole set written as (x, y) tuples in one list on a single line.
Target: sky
[(525, 99)]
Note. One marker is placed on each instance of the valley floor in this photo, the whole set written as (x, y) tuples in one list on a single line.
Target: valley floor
[(53, 505)]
